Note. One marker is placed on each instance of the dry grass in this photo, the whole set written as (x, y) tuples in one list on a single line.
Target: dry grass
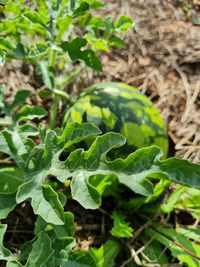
[(162, 59)]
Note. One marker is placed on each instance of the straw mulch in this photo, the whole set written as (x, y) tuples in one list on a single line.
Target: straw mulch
[(162, 59)]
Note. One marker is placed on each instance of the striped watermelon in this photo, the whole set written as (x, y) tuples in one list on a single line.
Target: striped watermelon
[(121, 108)]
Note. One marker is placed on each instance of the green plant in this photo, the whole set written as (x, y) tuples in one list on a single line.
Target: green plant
[(60, 38), (50, 171), (37, 154)]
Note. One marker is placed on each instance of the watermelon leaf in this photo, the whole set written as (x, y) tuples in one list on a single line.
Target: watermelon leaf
[(145, 162), (19, 99), (44, 199), (35, 17), (123, 24), (13, 263), (5, 254), (79, 165), (75, 52), (7, 204), (89, 172), (12, 144), (121, 228), (106, 254), (11, 178), (29, 113), (41, 251)]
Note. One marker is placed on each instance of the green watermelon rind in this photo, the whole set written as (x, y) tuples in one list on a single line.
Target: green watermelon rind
[(141, 123)]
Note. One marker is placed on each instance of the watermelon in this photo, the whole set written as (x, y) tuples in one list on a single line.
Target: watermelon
[(121, 108)]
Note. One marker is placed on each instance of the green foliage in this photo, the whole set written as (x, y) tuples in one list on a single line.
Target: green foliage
[(50, 169), (45, 32), (60, 38), (106, 254), (89, 174), (184, 198), (185, 250), (121, 228), (4, 252)]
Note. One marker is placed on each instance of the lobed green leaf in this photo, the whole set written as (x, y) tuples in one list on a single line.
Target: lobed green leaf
[(89, 171), (5, 254), (41, 251), (44, 199), (28, 112), (19, 99), (76, 53)]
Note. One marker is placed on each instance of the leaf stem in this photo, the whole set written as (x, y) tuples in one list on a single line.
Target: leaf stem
[(64, 82), (54, 107), (53, 112), (52, 63), (52, 59), (62, 94)]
